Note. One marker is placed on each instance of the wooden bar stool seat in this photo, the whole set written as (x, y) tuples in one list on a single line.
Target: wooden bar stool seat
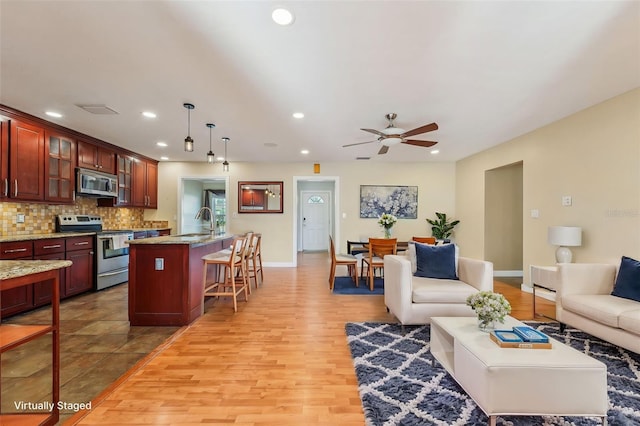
[(234, 279)]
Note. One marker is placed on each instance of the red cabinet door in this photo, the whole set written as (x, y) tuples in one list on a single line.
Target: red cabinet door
[(26, 169)]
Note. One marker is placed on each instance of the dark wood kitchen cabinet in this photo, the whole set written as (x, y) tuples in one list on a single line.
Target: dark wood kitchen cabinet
[(253, 198), (81, 275), (4, 158), (26, 165), (145, 184), (49, 249), (91, 156), (18, 299), (59, 166)]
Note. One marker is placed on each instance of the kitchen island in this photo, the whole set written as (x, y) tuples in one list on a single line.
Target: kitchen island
[(165, 277)]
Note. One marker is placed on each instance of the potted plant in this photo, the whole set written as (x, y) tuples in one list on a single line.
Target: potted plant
[(441, 228)]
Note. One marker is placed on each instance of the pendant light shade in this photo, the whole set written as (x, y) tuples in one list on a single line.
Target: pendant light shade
[(188, 142), (210, 155), (225, 164)]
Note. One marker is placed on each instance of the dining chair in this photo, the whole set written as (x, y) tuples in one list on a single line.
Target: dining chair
[(425, 240), (378, 249), (349, 260), (234, 281)]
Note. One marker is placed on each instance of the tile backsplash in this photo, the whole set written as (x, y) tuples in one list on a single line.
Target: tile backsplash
[(40, 218)]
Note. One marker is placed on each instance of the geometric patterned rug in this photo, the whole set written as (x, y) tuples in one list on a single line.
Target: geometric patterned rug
[(399, 385)]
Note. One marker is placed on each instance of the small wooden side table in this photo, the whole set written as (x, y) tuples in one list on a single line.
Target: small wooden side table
[(543, 280)]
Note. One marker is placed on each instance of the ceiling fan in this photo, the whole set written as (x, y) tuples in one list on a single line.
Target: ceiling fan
[(393, 135)]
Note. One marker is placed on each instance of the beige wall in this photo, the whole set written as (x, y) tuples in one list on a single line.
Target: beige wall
[(593, 156), (436, 192)]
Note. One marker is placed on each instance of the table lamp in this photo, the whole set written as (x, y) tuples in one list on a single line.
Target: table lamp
[(564, 237)]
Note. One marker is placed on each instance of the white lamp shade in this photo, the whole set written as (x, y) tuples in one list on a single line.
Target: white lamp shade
[(566, 236)]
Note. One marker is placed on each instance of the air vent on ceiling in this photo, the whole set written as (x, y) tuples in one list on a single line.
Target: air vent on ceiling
[(98, 109), (363, 158)]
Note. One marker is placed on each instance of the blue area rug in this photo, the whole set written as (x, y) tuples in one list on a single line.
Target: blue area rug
[(399, 385), (345, 285)]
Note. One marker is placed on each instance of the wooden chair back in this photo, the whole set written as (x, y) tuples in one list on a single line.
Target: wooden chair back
[(380, 247), (425, 240)]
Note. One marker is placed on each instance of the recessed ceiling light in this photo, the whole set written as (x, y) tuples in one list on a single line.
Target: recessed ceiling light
[(435, 151), (298, 115), (149, 114), (219, 158), (53, 114), (282, 16), (304, 151), (164, 158), (162, 144)]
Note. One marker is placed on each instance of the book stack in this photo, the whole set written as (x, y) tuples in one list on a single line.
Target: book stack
[(523, 337)]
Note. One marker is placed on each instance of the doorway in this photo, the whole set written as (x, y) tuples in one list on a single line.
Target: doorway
[(197, 192), (325, 211), (503, 227)]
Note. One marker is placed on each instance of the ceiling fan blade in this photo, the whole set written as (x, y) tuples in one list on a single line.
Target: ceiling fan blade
[(424, 129), (375, 132), (383, 149), (358, 143), (425, 144)]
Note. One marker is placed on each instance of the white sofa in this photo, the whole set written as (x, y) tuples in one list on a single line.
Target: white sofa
[(584, 301), (414, 300)]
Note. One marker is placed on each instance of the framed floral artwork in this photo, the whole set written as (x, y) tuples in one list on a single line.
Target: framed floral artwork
[(400, 201)]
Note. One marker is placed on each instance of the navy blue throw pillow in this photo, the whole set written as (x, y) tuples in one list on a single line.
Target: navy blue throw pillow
[(628, 279), (436, 261)]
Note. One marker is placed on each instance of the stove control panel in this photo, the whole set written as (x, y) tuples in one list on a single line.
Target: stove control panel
[(79, 219)]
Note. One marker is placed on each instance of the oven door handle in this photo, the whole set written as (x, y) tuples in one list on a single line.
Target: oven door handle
[(116, 272)]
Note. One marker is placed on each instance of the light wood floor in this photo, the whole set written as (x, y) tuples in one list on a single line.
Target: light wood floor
[(281, 359)]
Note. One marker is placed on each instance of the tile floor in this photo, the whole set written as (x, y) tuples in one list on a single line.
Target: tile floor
[(97, 346)]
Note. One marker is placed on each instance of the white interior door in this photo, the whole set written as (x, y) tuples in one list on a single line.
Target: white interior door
[(316, 209)]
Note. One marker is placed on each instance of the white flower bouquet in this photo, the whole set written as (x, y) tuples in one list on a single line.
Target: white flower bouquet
[(387, 221), (490, 307)]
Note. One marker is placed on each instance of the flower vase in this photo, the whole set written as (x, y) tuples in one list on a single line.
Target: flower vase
[(387, 232), (486, 324)]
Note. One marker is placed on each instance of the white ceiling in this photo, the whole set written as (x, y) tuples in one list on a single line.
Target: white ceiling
[(484, 71)]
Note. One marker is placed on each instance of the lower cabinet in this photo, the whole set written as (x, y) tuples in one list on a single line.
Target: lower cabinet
[(80, 275), (78, 278), (17, 299)]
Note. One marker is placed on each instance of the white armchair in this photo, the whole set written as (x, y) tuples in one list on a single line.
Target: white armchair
[(414, 300)]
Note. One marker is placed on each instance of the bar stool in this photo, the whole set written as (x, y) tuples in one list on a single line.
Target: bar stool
[(254, 263), (235, 280)]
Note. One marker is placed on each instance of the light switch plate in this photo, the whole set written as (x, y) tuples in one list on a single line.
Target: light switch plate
[(159, 264)]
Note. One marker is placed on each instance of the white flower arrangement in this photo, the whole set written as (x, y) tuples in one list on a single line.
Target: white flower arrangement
[(387, 220), (489, 306)]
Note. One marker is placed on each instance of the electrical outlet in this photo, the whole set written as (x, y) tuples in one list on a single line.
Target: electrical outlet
[(566, 200), (20, 218), (535, 213), (159, 264)]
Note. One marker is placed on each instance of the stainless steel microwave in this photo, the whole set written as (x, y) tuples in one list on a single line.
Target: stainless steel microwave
[(96, 184)]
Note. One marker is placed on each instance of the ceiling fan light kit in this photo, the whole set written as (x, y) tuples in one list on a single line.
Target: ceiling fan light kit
[(188, 142), (392, 135)]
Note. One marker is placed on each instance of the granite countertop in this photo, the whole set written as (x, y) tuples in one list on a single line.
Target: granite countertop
[(28, 237), (194, 240), (19, 268)]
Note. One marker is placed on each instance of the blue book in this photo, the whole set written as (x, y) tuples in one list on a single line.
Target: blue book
[(507, 336), (529, 334)]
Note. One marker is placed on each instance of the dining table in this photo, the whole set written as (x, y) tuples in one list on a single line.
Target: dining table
[(356, 246)]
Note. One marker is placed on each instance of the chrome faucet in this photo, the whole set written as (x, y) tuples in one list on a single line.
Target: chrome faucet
[(199, 214)]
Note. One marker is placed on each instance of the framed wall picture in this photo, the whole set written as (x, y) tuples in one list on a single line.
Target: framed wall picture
[(400, 201), (260, 197)]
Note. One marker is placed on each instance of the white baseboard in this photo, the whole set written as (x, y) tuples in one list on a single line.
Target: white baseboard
[(508, 274)]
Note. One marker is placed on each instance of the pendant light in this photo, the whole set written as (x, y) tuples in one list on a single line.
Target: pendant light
[(210, 155), (225, 164), (188, 142)]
